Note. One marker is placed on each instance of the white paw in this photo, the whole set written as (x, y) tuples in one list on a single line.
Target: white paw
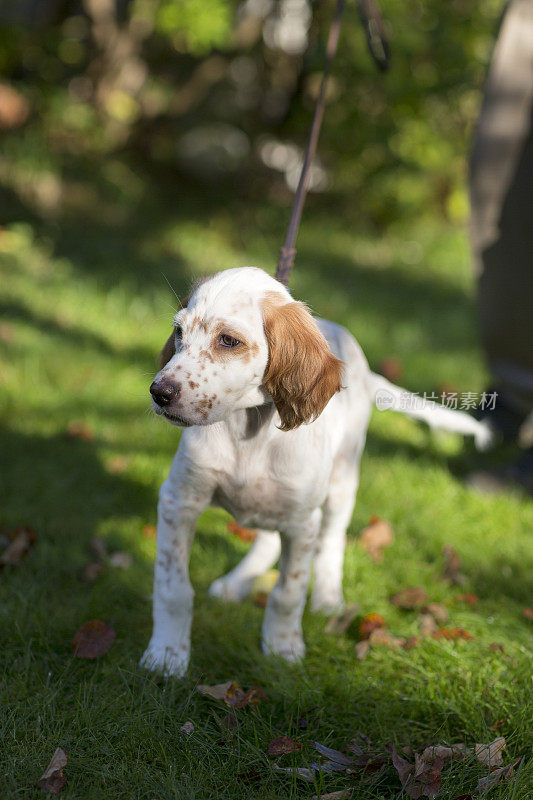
[(232, 591), (168, 661), (327, 602), (291, 648)]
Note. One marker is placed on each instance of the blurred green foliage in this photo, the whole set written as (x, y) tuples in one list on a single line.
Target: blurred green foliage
[(198, 86)]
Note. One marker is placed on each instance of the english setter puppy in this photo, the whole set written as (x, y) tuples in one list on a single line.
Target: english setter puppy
[(274, 405)]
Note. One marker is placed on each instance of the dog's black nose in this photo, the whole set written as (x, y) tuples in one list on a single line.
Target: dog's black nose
[(164, 392)]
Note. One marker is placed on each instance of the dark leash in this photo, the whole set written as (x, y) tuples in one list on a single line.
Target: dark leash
[(379, 48)]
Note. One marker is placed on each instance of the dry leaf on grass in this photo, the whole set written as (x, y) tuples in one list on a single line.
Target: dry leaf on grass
[(495, 777), (496, 647), (150, 531), (438, 612), (232, 694), (370, 623), (467, 597), (452, 565), (427, 624), (187, 728), (382, 638), (362, 649), (53, 780), (527, 613), (121, 560), (420, 778), (491, 754), (414, 597), (244, 534), (375, 537), (452, 634), (80, 430), (446, 752), (302, 772), (282, 745), (20, 541), (117, 465), (339, 623), (94, 639)]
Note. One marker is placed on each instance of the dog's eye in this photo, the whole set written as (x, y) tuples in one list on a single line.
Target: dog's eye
[(178, 331), (228, 341)]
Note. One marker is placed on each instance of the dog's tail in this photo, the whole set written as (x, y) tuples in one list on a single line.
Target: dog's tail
[(388, 396)]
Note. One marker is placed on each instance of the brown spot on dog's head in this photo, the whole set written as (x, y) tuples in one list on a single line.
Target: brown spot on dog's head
[(302, 374)]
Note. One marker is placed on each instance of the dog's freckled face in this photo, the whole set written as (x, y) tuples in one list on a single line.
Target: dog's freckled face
[(213, 362), (234, 347)]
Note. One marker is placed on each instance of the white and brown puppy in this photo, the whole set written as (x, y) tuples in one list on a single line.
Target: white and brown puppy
[(275, 407)]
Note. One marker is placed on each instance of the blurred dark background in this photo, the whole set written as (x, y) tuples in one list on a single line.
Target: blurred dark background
[(219, 94)]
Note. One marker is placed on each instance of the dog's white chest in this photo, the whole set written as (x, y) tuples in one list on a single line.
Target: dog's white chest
[(252, 497)]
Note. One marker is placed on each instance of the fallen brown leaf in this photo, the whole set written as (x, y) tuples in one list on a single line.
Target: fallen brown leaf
[(452, 634), (495, 777), (339, 623), (438, 612), (370, 623), (527, 613), (446, 752), (499, 724), (452, 565), (412, 641), (52, 780), (117, 465), (391, 368), (91, 571), (420, 778), (121, 560), (150, 531), (382, 638), (93, 639), (282, 745), (80, 430), (427, 624), (21, 539), (244, 534), (362, 649), (414, 597), (232, 694), (496, 647), (467, 597), (491, 754), (187, 728), (375, 537)]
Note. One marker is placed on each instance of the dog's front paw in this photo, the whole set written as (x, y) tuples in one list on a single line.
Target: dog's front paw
[(327, 601), (167, 660), (290, 647), (231, 590)]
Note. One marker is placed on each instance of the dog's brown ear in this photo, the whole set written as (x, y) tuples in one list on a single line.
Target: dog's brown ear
[(302, 373), (169, 348)]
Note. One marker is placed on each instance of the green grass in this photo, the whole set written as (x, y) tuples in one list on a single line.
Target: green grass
[(85, 308)]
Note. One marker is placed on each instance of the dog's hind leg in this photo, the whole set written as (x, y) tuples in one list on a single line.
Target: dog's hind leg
[(329, 557), (261, 556)]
